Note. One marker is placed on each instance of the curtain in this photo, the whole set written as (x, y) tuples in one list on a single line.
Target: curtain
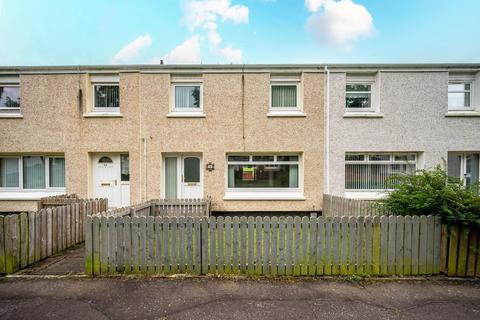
[(293, 176), (171, 178), (231, 176), (284, 96), (57, 172), (9, 173), (187, 97), (33, 173)]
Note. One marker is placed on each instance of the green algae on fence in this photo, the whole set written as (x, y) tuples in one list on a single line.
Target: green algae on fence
[(265, 246)]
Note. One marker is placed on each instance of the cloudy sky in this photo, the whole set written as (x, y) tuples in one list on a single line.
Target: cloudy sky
[(60, 32)]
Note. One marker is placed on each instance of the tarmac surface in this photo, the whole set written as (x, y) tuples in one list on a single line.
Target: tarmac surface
[(86, 298)]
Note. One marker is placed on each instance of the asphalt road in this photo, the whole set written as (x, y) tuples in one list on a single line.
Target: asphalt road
[(212, 298)]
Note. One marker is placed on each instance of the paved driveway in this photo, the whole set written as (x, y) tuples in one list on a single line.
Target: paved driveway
[(212, 298)]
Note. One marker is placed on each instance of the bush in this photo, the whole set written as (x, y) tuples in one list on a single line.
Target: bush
[(433, 192)]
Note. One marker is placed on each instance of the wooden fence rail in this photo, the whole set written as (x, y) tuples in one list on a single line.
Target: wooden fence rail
[(335, 206), (26, 238), (380, 245)]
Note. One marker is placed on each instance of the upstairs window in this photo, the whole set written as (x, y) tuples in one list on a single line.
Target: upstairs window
[(285, 95), (377, 171), (10, 97), (107, 97), (459, 96), (187, 96), (358, 96)]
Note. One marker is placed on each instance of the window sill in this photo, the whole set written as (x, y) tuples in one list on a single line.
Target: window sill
[(362, 115), (365, 195), (462, 114), (11, 116), (186, 115), (296, 113), (28, 195), (271, 195), (102, 115)]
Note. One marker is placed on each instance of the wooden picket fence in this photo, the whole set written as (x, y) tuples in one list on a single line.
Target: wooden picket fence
[(460, 252), (27, 238), (56, 201), (174, 208), (335, 206), (379, 245)]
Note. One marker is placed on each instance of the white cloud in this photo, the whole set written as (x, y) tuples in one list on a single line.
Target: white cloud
[(131, 50), (200, 12), (339, 23), (206, 15), (314, 5), (231, 54), (185, 53)]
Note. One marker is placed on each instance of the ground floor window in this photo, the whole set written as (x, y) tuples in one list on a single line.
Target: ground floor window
[(377, 171), (32, 172), (465, 166), (263, 171)]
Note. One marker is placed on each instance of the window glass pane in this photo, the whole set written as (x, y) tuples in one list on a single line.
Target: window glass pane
[(358, 87), (354, 157), (9, 97), (287, 158), (379, 157), (262, 158), (171, 178), (107, 96), (191, 170), (57, 172), (284, 96), (33, 172), (239, 158), (358, 100), (9, 173), (124, 167), (263, 176), (458, 99), (187, 96), (372, 175), (456, 87)]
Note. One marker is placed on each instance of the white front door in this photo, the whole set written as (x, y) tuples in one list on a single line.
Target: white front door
[(109, 179), (183, 177), (191, 177)]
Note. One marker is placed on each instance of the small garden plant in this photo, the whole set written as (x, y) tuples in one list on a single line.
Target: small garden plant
[(434, 192)]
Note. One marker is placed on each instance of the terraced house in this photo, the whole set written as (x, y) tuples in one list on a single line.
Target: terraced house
[(253, 137), (250, 137)]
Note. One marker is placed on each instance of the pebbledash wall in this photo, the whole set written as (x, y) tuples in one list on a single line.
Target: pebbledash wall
[(55, 101), (411, 114)]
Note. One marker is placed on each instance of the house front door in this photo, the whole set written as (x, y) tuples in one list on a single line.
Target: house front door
[(111, 178), (191, 177), (183, 177)]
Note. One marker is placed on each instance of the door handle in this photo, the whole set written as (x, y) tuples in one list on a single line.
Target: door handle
[(115, 181)]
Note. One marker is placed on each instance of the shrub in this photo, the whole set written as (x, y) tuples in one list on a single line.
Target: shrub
[(433, 192)]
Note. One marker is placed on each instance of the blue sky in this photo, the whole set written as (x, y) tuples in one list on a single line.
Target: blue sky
[(68, 32)]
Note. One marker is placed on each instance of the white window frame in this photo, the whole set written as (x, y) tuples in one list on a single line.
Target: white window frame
[(185, 112), (360, 82), (367, 161), (471, 91), (20, 187), (286, 111), (265, 193), (11, 85), (105, 110)]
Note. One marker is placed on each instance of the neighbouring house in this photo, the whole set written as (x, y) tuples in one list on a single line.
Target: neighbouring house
[(395, 119), (251, 137)]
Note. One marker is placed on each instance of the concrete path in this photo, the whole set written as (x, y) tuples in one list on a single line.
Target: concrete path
[(69, 262), (213, 298)]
